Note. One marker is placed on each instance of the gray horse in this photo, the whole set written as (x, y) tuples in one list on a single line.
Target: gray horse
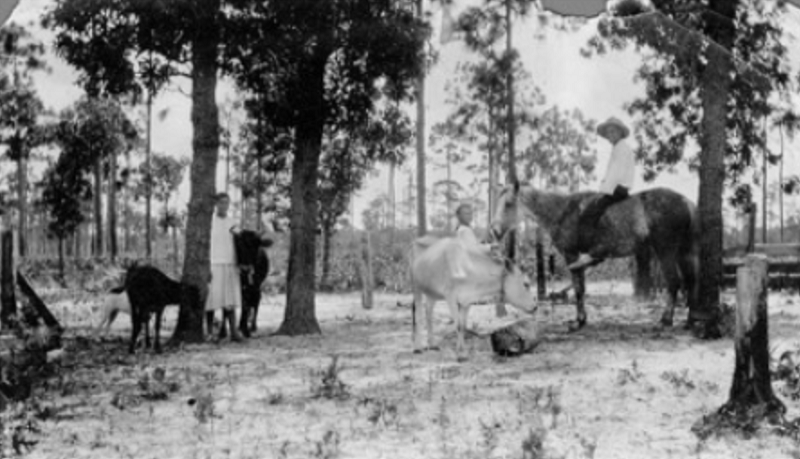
[(658, 221)]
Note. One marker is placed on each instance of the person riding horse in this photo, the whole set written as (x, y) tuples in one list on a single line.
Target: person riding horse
[(616, 186)]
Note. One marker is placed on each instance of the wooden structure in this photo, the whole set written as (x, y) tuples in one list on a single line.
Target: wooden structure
[(29, 330), (751, 400), (783, 264)]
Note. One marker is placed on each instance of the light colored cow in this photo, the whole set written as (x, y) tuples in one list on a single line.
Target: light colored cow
[(447, 269), (111, 304)]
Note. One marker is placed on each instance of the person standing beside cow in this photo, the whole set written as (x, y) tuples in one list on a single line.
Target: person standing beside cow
[(224, 288), (616, 186)]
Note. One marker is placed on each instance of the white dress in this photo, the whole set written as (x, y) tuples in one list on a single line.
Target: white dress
[(224, 290)]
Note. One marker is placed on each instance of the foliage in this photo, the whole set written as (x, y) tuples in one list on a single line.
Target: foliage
[(328, 383), (561, 153), (669, 114)]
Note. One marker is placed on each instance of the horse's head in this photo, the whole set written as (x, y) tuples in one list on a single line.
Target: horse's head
[(506, 214)]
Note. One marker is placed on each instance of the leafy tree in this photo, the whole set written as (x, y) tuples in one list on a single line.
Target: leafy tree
[(326, 61), (167, 174), (561, 153), (482, 110), (66, 185), (186, 35), (346, 160), (20, 108), (709, 73), (376, 216), (448, 189)]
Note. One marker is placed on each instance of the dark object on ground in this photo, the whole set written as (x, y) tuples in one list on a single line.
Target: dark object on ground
[(149, 291), (516, 339)]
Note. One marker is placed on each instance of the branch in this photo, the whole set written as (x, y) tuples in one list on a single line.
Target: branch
[(666, 35)]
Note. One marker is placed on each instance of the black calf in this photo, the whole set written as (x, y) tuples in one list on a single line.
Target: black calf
[(253, 261), (149, 291)]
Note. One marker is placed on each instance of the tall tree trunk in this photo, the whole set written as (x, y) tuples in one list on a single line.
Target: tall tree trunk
[(98, 207), (764, 188), (112, 206), (780, 184), (492, 166), (327, 233), (205, 143), (148, 180), (8, 299), (392, 198), (715, 82), (300, 315), (422, 225), (22, 195), (128, 213)]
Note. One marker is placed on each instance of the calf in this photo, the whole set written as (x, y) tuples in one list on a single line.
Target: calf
[(461, 274), (253, 262), (149, 291), (251, 255)]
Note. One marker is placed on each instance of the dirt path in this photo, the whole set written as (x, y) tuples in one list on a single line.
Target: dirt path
[(620, 388)]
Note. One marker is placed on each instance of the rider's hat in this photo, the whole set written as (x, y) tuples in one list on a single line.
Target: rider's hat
[(603, 128)]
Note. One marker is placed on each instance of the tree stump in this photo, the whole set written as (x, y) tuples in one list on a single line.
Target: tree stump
[(516, 339), (8, 301), (752, 386), (751, 398)]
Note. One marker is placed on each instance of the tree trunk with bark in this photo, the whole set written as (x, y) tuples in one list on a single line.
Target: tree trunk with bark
[(205, 142), (112, 206), (327, 236), (300, 314), (22, 195), (8, 300), (98, 208), (715, 83)]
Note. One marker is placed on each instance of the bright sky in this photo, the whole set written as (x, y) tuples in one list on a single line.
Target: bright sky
[(599, 87)]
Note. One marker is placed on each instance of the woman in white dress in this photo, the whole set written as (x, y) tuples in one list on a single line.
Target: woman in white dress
[(225, 290)]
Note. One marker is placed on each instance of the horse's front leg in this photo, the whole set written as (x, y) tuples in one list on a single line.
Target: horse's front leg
[(579, 284)]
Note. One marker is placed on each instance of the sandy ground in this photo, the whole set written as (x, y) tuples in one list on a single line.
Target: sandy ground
[(620, 388)]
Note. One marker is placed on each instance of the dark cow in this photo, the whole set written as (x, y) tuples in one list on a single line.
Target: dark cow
[(149, 291), (253, 262), (251, 256)]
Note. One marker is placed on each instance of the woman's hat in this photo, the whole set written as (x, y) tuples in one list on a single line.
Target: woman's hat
[(603, 128)]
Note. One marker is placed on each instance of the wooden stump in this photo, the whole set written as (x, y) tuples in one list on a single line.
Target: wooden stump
[(751, 398), (516, 339), (8, 301), (752, 386)]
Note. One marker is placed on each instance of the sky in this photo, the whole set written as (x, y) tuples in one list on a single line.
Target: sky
[(598, 86)]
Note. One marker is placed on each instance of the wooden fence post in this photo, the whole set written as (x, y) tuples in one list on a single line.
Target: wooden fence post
[(751, 379), (367, 278), (751, 398)]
